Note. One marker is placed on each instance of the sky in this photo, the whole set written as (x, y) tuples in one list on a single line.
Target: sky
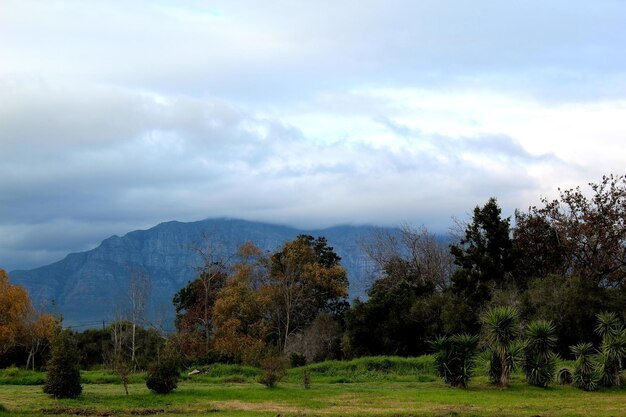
[(119, 115)]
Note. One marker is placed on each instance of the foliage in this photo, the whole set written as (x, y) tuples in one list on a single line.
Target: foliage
[(403, 309), (273, 370), (539, 358), (62, 374), (585, 375), (305, 279), (163, 375), (500, 331), (589, 232), (613, 348), (454, 358), (484, 258), (296, 360), (15, 308)]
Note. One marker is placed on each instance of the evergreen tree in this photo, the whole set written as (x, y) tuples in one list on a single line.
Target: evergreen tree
[(485, 261), (62, 374)]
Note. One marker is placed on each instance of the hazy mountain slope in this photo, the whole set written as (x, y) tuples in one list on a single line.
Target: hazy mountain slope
[(90, 287)]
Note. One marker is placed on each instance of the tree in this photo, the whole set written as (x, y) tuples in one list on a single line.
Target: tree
[(194, 303), (38, 333), (138, 294), (484, 259), (402, 312), (585, 375), (163, 375), (500, 331), (241, 311), (15, 308), (590, 232), (62, 374), (305, 278), (539, 358)]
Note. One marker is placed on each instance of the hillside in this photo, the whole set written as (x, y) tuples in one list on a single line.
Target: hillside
[(89, 287)]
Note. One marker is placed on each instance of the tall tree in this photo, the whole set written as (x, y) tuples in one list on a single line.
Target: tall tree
[(305, 278), (590, 231), (485, 261), (15, 308), (194, 303)]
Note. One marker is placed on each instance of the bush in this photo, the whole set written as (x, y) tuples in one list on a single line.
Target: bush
[(455, 357), (585, 375), (273, 371), (63, 376), (540, 360), (163, 376), (296, 360)]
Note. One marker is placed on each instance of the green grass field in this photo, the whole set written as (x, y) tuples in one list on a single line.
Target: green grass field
[(390, 387)]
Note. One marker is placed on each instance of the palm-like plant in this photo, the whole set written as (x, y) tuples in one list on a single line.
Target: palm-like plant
[(539, 359), (613, 335), (585, 375), (500, 331), (455, 357)]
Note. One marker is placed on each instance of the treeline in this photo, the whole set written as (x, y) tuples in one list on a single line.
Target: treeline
[(563, 262)]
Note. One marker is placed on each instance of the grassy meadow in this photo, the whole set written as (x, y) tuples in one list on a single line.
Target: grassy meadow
[(382, 386)]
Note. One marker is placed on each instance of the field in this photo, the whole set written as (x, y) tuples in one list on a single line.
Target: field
[(365, 387)]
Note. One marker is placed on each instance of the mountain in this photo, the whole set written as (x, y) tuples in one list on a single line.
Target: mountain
[(90, 287)]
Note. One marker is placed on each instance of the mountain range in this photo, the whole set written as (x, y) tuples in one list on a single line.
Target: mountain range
[(90, 288)]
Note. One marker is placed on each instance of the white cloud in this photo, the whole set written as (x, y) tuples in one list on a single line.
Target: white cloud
[(123, 114)]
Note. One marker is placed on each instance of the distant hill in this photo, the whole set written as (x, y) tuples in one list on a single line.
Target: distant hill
[(89, 287)]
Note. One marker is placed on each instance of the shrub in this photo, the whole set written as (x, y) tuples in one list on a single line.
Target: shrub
[(500, 329), (585, 375), (296, 360), (455, 357), (306, 379), (163, 376), (63, 376), (273, 370), (540, 360), (613, 336)]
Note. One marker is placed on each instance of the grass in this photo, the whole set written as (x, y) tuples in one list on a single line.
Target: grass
[(374, 387)]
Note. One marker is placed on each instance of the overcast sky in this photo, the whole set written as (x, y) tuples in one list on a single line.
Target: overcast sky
[(118, 115)]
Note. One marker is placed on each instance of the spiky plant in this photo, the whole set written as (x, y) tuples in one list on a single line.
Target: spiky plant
[(500, 331), (585, 375), (613, 335), (539, 357), (455, 357)]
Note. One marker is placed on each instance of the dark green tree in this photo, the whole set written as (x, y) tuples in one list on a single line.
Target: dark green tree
[(484, 257), (62, 374), (163, 375)]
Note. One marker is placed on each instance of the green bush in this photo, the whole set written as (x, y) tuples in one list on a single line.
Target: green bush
[(539, 357), (163, 376), (585, 375), (62, 374), (455, 357)]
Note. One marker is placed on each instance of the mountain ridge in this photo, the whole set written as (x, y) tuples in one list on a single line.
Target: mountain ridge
[(89, 287)]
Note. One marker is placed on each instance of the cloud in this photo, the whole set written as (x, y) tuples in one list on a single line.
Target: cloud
[(119, 115)]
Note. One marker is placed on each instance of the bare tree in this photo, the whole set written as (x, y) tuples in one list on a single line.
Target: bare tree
[(427, 256), (138, 295)]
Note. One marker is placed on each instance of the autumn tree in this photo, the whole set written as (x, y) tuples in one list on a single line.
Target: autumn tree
[(241, 310), (305, 278), (194, 303), (15, 308), (588, 232)]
